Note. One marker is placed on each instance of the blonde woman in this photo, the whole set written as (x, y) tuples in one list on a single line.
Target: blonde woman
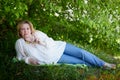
[(35, 47)]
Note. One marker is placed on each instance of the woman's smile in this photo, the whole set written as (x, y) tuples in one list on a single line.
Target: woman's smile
[(25, 30)]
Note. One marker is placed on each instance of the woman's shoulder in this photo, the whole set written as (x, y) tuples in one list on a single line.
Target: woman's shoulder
[(39, 32), (20, 40)]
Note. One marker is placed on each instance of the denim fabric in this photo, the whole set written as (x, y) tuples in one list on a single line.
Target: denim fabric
[(75, 55)]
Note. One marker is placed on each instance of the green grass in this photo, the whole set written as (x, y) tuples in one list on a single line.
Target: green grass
[(15, 70), (11, 69)]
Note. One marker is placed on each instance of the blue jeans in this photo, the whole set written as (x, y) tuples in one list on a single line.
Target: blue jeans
[(75, 55)]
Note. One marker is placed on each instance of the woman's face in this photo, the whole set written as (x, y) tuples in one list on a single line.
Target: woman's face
[(25, 30)]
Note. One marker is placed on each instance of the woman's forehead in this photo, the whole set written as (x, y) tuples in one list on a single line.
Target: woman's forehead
[(25, 25)]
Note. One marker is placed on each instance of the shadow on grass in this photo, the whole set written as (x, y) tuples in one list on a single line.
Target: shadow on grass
[(22, 71), (11, 69)]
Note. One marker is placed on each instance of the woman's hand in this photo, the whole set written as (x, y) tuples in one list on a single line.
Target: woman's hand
[(29, 38), (33, 61), (37, 40), (32, 38)]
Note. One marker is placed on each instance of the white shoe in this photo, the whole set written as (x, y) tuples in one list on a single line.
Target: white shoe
[(109, 66)]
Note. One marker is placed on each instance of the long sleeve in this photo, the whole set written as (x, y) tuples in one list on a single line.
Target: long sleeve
[(47, 52), (44, 39), (20, 51)]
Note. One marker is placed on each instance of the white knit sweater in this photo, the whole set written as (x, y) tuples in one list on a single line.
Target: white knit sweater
[(48, 52)]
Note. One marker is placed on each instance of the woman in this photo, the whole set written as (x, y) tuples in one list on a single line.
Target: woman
[(35, 47)]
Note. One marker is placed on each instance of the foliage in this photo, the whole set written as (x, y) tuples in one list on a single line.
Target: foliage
[(85, 21)]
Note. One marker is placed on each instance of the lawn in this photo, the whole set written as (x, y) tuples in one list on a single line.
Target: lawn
[(14, 70)]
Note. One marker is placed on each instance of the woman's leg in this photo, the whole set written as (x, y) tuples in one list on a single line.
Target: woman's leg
[(71, 60), (83, 55)]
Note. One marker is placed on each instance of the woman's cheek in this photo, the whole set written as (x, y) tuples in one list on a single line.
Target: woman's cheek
[(22, 34)]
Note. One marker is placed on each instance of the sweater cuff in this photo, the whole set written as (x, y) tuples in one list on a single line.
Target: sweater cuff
[(26, 60)]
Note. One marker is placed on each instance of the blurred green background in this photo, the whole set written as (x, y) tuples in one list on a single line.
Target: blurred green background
[(93, 25)]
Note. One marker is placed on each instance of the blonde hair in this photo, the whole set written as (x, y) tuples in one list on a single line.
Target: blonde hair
[(20, 24)]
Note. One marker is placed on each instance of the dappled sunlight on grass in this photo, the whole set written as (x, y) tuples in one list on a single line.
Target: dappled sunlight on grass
[(117, 57), (118, 41), (21, 71)]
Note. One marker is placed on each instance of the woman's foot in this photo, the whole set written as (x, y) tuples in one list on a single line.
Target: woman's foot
[(109, 66)]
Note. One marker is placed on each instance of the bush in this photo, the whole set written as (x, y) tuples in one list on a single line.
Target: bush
[(94, 23)]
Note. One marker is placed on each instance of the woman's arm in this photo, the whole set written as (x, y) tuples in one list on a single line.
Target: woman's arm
[(43, 38), (22, 56), (20, 51)]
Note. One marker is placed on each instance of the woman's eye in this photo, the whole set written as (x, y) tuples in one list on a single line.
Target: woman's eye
[(21, 29), (27, 28)]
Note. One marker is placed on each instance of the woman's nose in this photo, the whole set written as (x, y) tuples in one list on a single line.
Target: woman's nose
[(25, 31)]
